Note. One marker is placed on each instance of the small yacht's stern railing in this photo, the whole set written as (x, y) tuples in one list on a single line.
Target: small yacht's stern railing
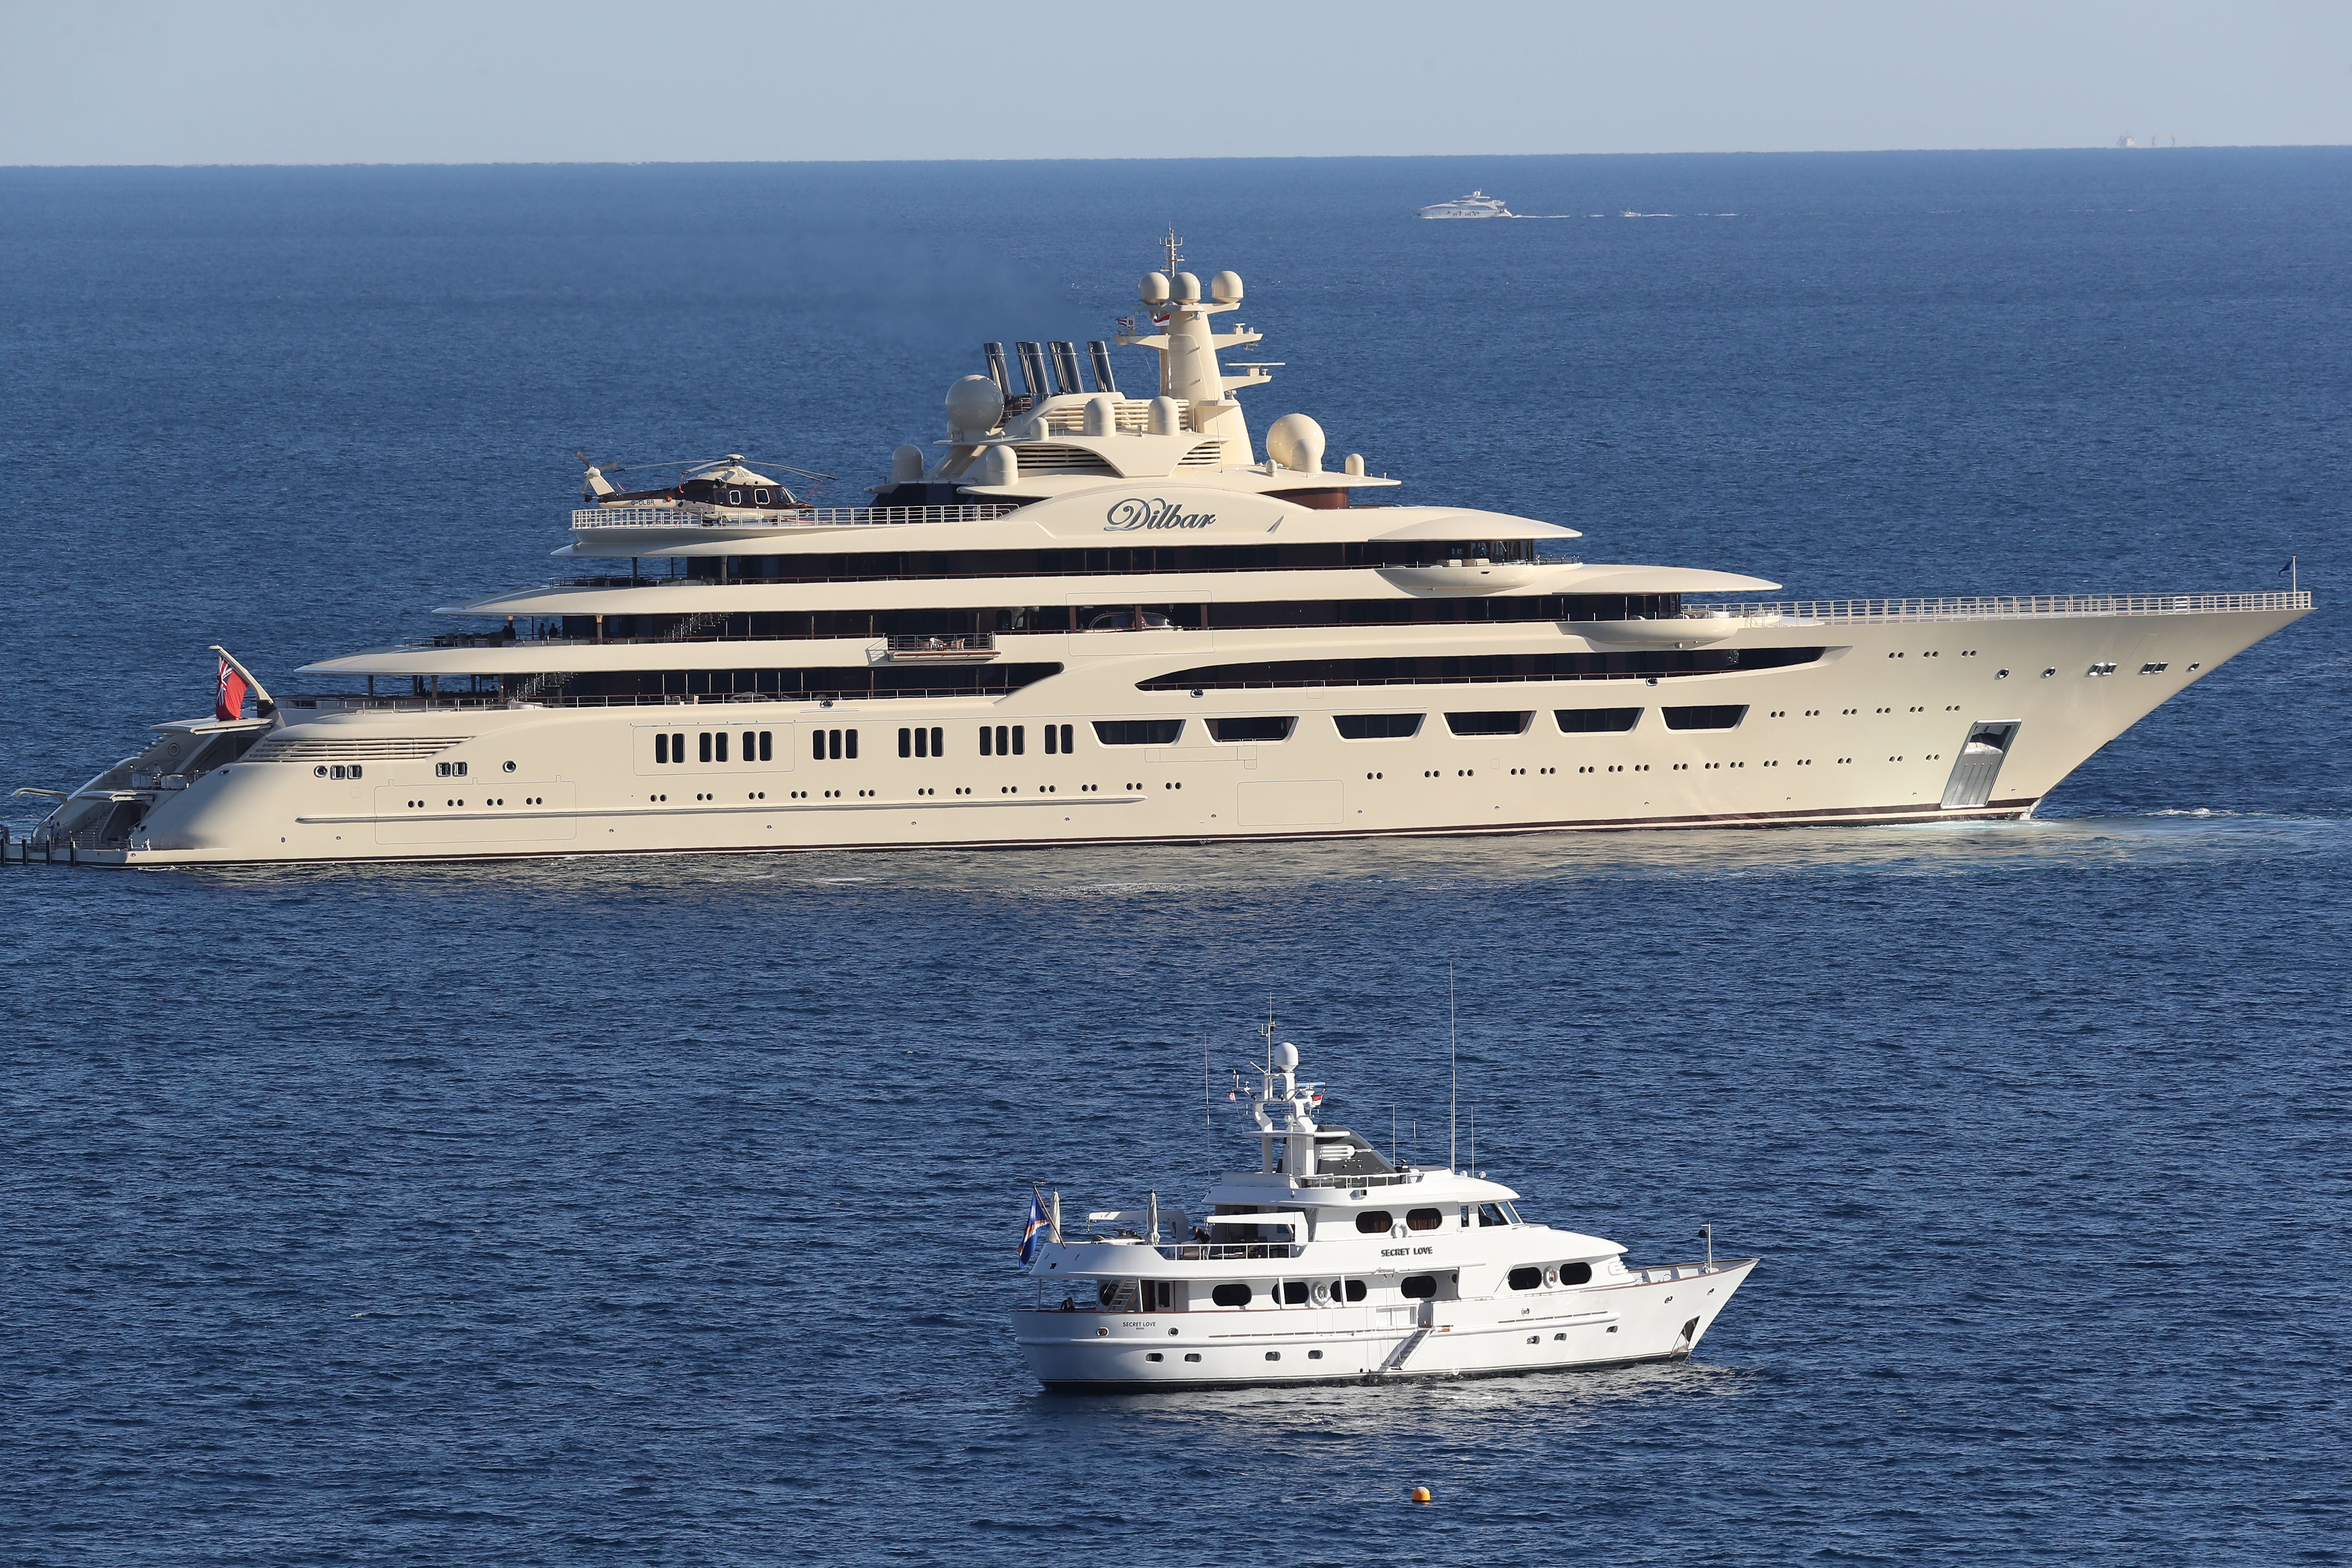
[(1227, 1251), (585, 519)]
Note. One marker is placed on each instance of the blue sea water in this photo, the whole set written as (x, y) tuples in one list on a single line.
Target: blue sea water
[(642, 1211)]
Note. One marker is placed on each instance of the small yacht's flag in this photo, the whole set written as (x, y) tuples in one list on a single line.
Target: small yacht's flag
[(1030, 1232), (230, 701), (1127, 324)]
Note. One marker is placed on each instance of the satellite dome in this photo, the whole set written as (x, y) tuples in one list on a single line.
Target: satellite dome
[(1286, 1057), (1295, 442), (974, 407), (1153, 289), (1186, 287), (1226, 287)]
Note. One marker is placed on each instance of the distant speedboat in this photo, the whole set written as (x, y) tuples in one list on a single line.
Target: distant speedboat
[(1478, 204)]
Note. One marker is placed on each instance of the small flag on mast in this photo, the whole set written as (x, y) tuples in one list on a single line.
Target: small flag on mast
[(1034, 1229), (229, 701)]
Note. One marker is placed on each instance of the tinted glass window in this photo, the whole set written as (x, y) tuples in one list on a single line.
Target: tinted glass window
[(767, 746), (1576, 1273), (1471, 668), (1138, 732), (1378, 726), (906, 742), (1231, 729), (1424, 1220), (849, 747), (677, 748), (1355, 1290), (986, 747), (1232, 1295), (1293, 1292), (1726, 716), (661, 748), (1374, 1222), (702, 746), (1493, 724), (750, 747), (1053, 740), (938, 741), (1526, 1278), (1018, 732), (1418, 1287), (1489, 1215), (1068, 734), (719, 741), (816, 744), (1596, 721)]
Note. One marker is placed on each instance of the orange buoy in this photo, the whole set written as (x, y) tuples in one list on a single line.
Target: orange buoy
[(1421, 1494)]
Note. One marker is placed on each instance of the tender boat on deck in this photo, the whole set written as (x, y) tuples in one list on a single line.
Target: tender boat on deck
[(1328, 1263)]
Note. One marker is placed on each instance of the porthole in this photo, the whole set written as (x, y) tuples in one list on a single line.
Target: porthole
[(1314, 1355), (1233, 1294), (506, 767), (1192, 1355), (1153, 1356), (1274, 1355), (1374, 1222), (320, 772)]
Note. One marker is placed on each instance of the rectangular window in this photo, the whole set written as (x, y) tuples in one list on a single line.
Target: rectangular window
[(816, 745), (1596, 721), (1494, 723), (938, 741), (767, 746), (661, 750), (833, 745), (906, 742), (750, 747), (1724, 716), (1138, 732), (1016, 739), (1053, 741), (1067, 732), (719, 740), (676, 748), (1231, 729), (1004, 741), (986, 748), (702, 745), (851, 752), (1378, 726), (922, 743)]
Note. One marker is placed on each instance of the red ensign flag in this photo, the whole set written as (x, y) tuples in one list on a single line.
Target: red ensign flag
[(230, 703)]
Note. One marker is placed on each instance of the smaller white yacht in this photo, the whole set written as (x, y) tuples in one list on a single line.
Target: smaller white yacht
[(1478, 204), (1329, 1263)]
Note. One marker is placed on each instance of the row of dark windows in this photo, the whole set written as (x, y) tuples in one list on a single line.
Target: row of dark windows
[(836, 681), (711, 746), (1274, 613), (908, 563), (833, 745), (1292, 1293), (1440, 669), (1530, 1277)]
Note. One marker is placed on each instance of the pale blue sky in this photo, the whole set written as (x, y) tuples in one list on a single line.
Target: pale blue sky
[(266, 81)]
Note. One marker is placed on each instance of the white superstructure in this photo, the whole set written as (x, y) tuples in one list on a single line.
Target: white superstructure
[(1329, 1262), (1089, 617), (1478, 204)]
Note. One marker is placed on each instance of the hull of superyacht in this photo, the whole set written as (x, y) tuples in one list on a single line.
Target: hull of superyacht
[(1939, 711)]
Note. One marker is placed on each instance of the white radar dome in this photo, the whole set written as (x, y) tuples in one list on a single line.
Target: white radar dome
[(974, 407), (1286, 1057), (907, 465), (1226, 287), (1295, 442), (1153, 289), (1186, 287)]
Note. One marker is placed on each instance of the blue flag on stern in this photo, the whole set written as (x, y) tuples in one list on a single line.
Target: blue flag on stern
[(1034, 1229)]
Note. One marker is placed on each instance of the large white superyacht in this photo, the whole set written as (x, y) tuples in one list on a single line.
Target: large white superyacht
[(1085, 617)]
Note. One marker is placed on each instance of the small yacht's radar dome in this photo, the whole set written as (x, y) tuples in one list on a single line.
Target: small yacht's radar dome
[(1295, 442), (975, 404), (1226, 287), (1286, 1057), (1153, 289)]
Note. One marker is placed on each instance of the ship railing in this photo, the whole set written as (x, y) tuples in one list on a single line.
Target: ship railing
[(360, 702), (1997, 607), (1663, 1273), (594, 516), (1389, 1179), (1227, 1251)]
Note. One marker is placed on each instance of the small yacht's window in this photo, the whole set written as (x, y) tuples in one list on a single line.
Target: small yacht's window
[(1596, 721), (661, 750), (1375, 1222), (1355, 1290), (1489, 1215), (1378, 726), (1293, 1292), (1722, 716), (702, 746), (1576, 1273), (1418, 1287), (1230, 731), (1526, 1278), (1232, 1295), (1138, 731), (1424, 1220)]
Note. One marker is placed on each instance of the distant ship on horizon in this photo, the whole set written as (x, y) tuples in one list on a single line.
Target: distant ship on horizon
[(1478, 204)]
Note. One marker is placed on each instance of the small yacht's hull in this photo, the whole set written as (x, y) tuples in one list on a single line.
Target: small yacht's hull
[(1658, 1314)]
